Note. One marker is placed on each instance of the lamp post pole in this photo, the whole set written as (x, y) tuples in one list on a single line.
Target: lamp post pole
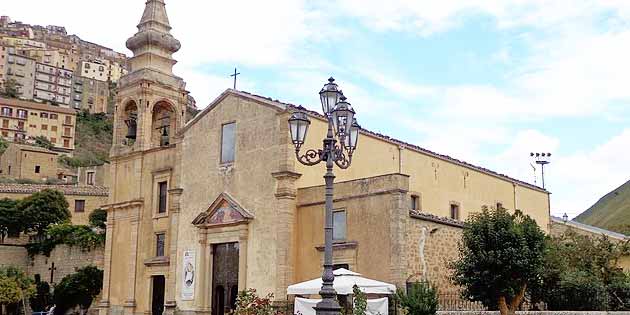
[(338, 147)]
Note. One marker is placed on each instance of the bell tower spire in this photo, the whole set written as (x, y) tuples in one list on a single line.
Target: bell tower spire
[(153, 45), (151, 101)]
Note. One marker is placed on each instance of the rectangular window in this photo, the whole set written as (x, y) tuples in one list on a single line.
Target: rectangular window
[(159, 244), (90, 179), (44, 127), (228, 141), (499, 205), (43, 115), (454, 211), (79, 206), (66, 143), (37, 169), (5, 123), (68, 120), (22, 113), (162, 187), (53, 116), (6, 111), (53, 140), (339, 225), (415, 202), (66, 132), (53, 128)]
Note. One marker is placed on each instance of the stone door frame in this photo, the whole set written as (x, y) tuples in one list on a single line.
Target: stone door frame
[(209, 236)]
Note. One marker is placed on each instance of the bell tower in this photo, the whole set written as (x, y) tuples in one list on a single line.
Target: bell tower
[(151, 100)]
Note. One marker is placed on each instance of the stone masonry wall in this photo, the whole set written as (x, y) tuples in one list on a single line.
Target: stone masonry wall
[(431, 246), (66, 259), (13, 255)]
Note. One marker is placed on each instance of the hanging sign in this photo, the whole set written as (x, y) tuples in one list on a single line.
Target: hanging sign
[(188, 275)]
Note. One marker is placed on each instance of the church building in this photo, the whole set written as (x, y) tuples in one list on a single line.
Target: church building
[(204, 206)]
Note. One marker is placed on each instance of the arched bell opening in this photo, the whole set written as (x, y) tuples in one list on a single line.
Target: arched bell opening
[(130, 119), (163, 124)]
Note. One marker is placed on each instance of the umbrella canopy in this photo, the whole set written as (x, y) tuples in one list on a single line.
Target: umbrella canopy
[(345, 280)]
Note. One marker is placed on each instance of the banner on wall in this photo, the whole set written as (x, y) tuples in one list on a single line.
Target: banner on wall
[(188, 275)]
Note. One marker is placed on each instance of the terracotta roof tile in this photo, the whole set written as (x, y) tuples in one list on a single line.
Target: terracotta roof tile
[(435, 218)]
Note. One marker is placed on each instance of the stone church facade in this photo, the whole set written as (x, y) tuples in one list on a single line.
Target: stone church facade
[(203, 207)]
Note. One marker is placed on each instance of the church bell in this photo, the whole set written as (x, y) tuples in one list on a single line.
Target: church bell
[(165, 139), (131, 128)]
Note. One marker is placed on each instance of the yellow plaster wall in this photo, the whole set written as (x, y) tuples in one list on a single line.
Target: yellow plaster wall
[(438, 182)]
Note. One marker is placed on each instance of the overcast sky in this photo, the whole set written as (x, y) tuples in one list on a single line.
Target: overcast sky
[(484, 81)]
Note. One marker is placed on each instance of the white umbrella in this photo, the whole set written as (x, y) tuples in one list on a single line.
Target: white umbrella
[(345, 280)]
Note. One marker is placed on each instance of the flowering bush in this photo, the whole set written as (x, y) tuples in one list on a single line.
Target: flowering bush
[(249, 303)]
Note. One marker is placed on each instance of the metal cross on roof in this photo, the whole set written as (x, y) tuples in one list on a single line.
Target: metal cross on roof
[(234, 75)]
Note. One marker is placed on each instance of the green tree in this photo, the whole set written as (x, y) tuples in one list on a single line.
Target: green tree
[(3, 145), (10, 218), (581, 273), (420, 299), (42, 141), (98, 218), (499, 256), (15, 286), (42, 297), (78, 289), (11, 89), (43, 209)]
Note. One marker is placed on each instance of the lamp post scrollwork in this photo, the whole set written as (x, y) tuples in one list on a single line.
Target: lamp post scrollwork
[(337, 149)]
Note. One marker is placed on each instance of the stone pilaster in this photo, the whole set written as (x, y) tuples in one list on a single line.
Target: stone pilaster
[(286, 222), (399, 216), (171, 291), (130, 302), (107, 263)]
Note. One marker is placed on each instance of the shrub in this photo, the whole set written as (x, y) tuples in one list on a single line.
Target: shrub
[(420, 299), (249, 303), (98, 218), (41, 298), (78, 289), (43, 142), (14, 286), (360, 301)]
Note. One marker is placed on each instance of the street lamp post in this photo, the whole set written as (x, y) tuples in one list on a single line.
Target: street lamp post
[(338, 146)]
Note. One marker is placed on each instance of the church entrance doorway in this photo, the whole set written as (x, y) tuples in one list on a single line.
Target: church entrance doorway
[(224, 277), (157, 300)]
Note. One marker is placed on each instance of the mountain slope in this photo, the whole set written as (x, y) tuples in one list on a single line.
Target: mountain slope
[(611, 212)]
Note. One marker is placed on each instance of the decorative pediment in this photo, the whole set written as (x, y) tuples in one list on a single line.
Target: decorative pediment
[(223, 211)]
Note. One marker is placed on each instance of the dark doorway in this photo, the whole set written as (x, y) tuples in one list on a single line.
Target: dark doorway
[(157, 301), (224, 277)]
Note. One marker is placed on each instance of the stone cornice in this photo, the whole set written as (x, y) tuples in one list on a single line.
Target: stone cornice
[(125, 204)]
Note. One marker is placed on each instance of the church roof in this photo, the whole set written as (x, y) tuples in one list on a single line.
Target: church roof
[(589, 228), (279, 105)]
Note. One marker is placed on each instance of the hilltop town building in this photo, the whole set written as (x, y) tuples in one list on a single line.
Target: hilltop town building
[(25, 120), (28, 162), (45, 61), (222, 195), (21, 69), (90, 94), (52, 85)]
